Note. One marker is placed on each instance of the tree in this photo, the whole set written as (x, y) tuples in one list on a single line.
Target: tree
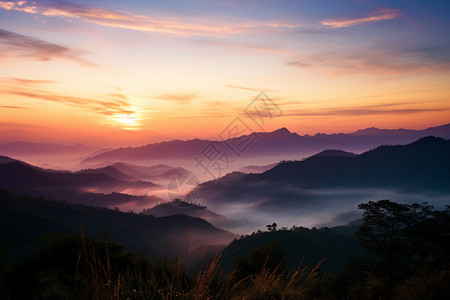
[(431, 238), (271, 257), (272, 228), (402, 237)]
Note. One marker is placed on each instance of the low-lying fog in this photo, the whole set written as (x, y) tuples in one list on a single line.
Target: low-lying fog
[(301, 207), (252, 208), (313, 208)]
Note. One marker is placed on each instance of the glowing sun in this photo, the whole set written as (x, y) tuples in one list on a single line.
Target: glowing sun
[(126, 121)]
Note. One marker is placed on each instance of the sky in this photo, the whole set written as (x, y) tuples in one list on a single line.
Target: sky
[(121, 73)]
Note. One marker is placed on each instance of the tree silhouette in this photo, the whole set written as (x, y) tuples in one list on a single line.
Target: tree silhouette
[(403, 237), (272, 228), (271, 257)]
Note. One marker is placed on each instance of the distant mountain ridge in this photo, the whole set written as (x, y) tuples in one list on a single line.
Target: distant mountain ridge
[(21, 177), (314, 188), (17, 173), (108, 171), (256, 169), (424, 163), (325, 190), (334, 153), (279, 143), (152, 173), (23, 219), (190, 209)]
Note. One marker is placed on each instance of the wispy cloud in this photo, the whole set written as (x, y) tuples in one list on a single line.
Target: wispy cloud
[(128, 20), (108, 104), (18, 5), (375, 16), (365, 110), (179, 98), (17, 45), (247, 88), (13, 107), (31, 81), (383, 57), (374, 60)]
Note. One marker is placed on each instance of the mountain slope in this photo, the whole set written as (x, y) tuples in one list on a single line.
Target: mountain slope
[(23, 219), (422, 164), (17, 173), (109, 171), (301, 245), (334, 153), (256, 169), (190, 209), (21, 177), (164, 150), (152, 173)]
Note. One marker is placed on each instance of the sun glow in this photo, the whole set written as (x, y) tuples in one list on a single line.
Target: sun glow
[(126, 121)]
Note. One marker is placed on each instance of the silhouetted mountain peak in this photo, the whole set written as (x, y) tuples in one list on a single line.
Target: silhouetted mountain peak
[(334, 153), (430, 140), (232, 176), (368, 131), (179, 206), (282, 130), (373, 131), (279, 134), (110, 171)]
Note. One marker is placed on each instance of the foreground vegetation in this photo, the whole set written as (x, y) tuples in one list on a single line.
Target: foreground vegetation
[(80, 267), (408, 258)]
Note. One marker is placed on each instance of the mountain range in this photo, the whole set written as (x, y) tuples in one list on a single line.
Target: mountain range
[(324, 189), (99, 187), (334, 178), (279, 144), (423, 164)]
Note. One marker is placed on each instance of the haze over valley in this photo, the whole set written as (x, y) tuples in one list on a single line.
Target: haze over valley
[(224, 149), (322, 189)]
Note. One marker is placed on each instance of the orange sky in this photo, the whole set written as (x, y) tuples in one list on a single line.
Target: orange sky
[(111, 73)]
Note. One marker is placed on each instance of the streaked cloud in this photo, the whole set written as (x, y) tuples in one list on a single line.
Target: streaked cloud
[(13, 107), (372, 60), (383, 57), (31, 81), (128, 20), (107, 104), (375, 16), (18, 5), (365, 110), (17, 45), (247, 88), (179, 98)]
